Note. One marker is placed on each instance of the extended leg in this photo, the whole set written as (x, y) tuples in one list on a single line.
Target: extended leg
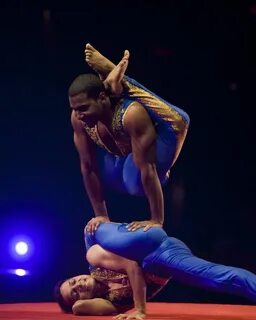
[(174, 258)]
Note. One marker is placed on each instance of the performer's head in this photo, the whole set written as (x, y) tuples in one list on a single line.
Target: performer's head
[(89, 99), (80, 287)]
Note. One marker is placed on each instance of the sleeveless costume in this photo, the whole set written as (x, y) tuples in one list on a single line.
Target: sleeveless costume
[(122, 298), (115, 157), (166, 256)]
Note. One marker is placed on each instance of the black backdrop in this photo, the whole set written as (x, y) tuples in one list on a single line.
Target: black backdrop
[(196, 55)]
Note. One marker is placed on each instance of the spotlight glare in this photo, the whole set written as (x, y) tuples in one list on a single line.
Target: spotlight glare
[(20, 272), (21, 248)]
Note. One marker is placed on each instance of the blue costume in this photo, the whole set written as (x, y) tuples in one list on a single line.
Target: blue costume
[(115, 159), (169, 257)]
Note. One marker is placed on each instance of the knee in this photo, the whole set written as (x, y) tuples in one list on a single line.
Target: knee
[(186, 117), (244, 276), (238, 276), (134, 187), (89, 239), (132, 178)]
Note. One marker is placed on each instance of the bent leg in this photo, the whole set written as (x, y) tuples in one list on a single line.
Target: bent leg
[(138, 92), (121, 173), (172, 122), (131, 174), (116, 238), (174, 258)]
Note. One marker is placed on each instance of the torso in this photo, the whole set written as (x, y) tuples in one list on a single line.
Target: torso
[(114, 140), (120, 291)]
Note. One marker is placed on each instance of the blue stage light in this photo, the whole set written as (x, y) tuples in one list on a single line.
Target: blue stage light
[(16, 272), (20, 272), (21, 248)]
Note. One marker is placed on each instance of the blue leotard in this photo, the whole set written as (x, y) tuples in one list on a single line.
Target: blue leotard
[(169, 257)]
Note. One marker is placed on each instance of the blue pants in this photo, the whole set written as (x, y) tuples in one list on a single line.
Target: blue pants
[(121, 173), (169, 257)]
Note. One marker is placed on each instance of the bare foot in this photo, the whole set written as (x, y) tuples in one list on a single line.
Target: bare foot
[(98, 62), (115, 77)]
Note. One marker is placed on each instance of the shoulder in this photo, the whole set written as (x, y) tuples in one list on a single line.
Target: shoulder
[(76, 124), (95, 254), (135, 108), (136, 117)]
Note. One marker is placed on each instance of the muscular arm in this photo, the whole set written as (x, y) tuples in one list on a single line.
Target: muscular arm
[(93, 307), (99, 257), (143, 139), (89, 170)]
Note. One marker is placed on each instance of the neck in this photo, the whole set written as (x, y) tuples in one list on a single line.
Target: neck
[(108, 117)]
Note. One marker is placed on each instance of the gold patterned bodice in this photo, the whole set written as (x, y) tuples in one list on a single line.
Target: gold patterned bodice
[(122, 298), (162, 113), (117, 142)]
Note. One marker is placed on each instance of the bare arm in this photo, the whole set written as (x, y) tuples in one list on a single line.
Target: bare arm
[(89, 169), (94, 307), (143, 139), (99, 257)]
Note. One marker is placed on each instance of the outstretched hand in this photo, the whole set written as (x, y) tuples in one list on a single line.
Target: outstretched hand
[(128, 316), (94, 223), (147, 224)]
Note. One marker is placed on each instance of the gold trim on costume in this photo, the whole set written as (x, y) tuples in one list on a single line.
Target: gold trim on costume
[(121, 140), (162, 110)]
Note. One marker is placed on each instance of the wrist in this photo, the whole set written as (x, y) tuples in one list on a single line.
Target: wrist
[(141, 308), (158, 221), (102, 215)]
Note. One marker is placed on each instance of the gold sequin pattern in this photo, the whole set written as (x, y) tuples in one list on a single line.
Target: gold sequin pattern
[(123, 297), (93, 134), (106, 274), (122, 140), (162, 110)]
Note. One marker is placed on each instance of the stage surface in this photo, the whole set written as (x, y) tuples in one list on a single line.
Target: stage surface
[(156, 311)]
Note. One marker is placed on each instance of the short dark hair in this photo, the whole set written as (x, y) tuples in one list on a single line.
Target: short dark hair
[(65, 307), (88, 83)]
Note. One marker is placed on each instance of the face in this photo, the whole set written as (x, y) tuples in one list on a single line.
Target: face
[(78, 288), (89, 110)]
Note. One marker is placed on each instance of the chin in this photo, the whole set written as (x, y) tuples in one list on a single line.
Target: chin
[(90, 124)]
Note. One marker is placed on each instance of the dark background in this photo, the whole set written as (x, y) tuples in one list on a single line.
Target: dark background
[(196, 54)]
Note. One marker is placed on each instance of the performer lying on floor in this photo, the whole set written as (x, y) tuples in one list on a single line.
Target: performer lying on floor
[(149, 259)]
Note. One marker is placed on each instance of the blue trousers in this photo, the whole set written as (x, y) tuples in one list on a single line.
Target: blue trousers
[(169, 257)]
